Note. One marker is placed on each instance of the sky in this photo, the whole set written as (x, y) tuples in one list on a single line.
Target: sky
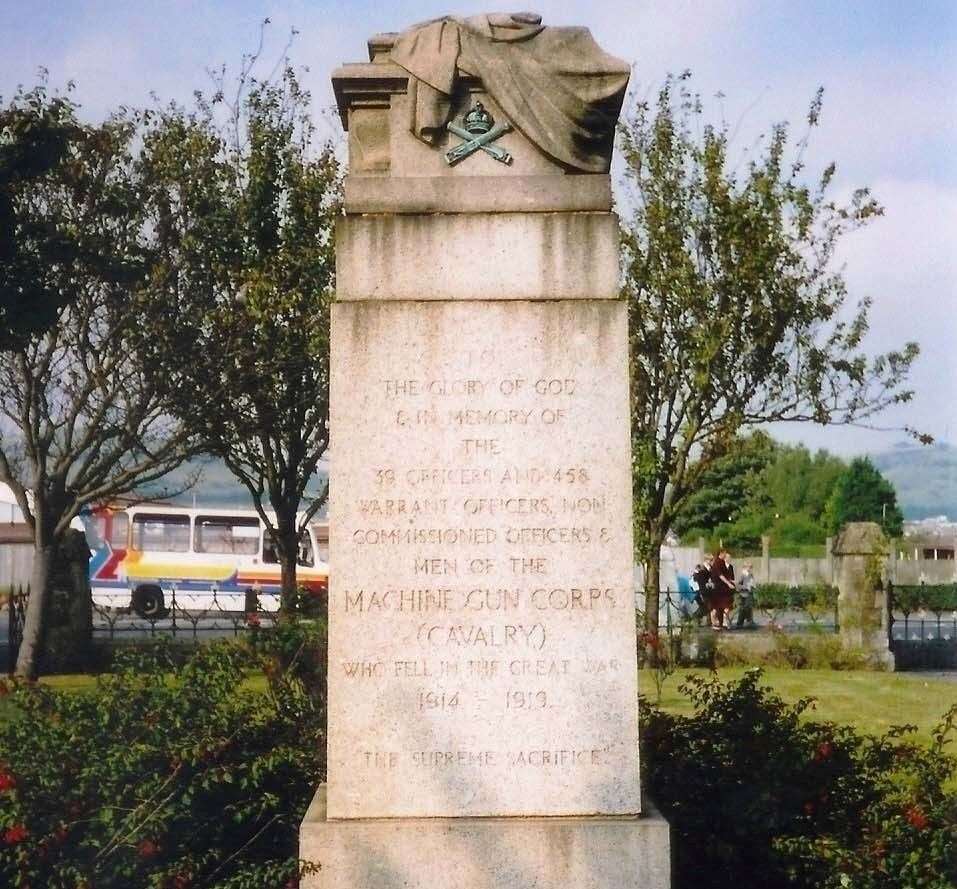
[(889, 71)]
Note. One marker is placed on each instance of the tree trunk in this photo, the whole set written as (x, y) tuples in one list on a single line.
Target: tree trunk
[(34, 625), (288, 594), (288, 552), (652, 587), (652, 590)]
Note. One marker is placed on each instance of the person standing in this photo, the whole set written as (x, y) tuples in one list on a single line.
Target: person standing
[(722, 577), (734, 592), (703, 586), (746, 598)]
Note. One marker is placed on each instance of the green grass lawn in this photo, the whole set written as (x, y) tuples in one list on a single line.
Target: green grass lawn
[(870, 702)]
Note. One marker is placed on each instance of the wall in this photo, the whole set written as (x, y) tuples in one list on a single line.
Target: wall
[(15, 562), (680, 560)]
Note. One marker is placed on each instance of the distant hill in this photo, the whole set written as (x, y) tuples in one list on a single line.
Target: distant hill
[(925, 478), (217, 487)]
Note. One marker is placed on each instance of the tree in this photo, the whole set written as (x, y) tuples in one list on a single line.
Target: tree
[(761, 487), (797, 482), (35, 135), (726, 488), (735, 304), (862, 494), (80, 421), (243, 213)]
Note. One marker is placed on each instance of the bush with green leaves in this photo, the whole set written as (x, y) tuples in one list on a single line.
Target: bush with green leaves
[(164, 775), (927, 597), (812, 650), (757, 794), (813, 598)]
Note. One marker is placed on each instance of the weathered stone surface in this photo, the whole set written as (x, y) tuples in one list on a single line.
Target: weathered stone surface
[(376, 109), (459, 256), (476, 194), (860, 551), (556, 84), (486, 853), (860, 538), (481, 616)]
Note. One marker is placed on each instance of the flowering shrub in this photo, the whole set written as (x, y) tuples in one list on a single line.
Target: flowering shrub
[(165, 776), (173, 776), (758, 795)]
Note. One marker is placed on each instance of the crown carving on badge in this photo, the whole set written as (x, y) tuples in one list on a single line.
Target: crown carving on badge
[(478, 121)]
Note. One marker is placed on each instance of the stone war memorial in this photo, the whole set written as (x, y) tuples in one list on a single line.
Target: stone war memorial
[(483, 725)]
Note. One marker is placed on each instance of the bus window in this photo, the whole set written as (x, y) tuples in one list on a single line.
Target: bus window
[(95, 529), (305, 556), (226, 534), (119, 531), (161, 533), (322, 541)]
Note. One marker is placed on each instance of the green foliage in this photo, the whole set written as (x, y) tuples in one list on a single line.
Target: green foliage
[(755, 791), (242, 207), (164, 775), (736, 301), (935, 598), (797, 529), (862, 494), (784, 497), (725, 487), (37, 133), (821, 650), (780, 596), (797, 482), (83, 423), (295, 649)]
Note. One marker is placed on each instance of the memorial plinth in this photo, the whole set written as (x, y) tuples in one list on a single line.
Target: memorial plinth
[(482, 640)]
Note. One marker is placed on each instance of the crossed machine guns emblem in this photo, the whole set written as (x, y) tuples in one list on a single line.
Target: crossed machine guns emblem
[(479, 132)]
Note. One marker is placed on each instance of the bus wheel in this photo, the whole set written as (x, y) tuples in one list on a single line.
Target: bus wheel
[(148, 602)]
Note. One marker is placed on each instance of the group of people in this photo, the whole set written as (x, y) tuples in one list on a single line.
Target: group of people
[(717, 592)]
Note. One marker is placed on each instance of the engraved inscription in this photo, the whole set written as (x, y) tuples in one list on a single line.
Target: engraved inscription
[(483, 558)]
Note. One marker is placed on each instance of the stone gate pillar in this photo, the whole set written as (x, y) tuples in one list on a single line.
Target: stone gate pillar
[(860, 554)]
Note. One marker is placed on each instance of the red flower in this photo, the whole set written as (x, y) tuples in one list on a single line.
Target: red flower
[(824, 751), (147, 849), (16, 834), (7, 781), (252, 619), (916, 817), (182, 881)]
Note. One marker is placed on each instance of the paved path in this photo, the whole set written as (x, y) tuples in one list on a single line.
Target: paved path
[(948, 675)]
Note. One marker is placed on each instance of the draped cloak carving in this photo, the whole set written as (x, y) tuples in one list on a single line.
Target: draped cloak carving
[(556, 85)]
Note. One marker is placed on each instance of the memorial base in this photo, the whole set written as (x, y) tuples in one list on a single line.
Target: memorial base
[(594, 852)]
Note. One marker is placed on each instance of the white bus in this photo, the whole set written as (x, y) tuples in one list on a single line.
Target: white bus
[(211, 557)]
